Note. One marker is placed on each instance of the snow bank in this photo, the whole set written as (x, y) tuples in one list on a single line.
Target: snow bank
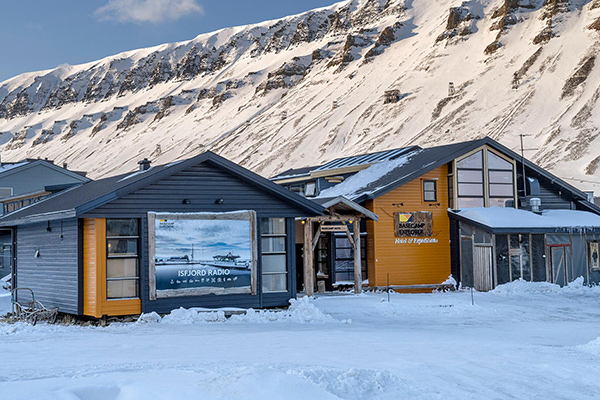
[(524, 288), (592, 347), (300, 311)]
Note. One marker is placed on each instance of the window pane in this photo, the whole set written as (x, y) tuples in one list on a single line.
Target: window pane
[(498, 189), (499, 202), (122, 247), (121, 289), (501, 177), (274, 263), (469, 202), (273, 226), (473, 161), (429, 185), (274, 283), (470, 176), (496, 162), (121, 268), (343, 253), (470, 189), (342, 243), (429, 196), (273, 244), (311, 189), (122, 227), (515, 268)]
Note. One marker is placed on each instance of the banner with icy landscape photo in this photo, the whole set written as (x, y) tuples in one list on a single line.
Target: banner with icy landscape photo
[(195, 254)]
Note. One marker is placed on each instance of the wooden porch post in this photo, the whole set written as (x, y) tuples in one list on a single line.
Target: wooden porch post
[(309, 273), (357, 261)]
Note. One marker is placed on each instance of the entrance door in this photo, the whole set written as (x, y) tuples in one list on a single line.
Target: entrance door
[(482, 267), (560, 259)]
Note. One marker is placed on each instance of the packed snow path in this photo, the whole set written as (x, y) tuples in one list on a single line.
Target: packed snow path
[(521, 341)]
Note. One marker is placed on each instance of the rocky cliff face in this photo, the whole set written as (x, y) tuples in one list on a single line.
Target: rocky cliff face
[(308, 88)]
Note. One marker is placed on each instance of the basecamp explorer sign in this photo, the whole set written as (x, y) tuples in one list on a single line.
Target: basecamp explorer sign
[(413, 224)]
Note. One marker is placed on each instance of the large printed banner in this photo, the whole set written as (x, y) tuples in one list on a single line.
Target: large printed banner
[(196, 254)]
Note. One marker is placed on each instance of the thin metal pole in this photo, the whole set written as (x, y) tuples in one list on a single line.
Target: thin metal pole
[(388, 286), (472, 298), (523, 165)]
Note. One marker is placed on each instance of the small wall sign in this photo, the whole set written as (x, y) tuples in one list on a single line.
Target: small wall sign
[(413, 224)]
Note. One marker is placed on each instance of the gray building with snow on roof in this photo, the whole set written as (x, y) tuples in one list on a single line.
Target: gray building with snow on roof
[(201, 232)]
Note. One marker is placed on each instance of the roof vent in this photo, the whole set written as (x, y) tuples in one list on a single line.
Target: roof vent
[(535, 204), (144, 164)]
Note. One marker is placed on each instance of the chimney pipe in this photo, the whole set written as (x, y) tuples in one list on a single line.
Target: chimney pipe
[(535, 203), (65, 165), (144, 164)]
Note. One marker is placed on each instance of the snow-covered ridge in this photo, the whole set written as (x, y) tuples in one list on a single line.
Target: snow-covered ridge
[(309, 88)]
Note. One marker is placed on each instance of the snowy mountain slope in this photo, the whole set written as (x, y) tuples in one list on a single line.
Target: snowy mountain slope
[(308, 88)]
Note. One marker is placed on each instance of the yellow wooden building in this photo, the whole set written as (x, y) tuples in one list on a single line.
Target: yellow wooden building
[(418, 193)]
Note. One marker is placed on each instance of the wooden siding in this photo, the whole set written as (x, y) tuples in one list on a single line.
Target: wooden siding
[(53, 276), (95, 303), (409, 264), (203, 185)]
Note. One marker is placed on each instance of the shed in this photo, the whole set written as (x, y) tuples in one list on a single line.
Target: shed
[(201, 232), (498, 245)]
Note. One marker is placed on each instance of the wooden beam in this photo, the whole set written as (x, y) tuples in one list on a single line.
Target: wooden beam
[(309, 274), (328, 218), (315, 239), (357, 261), (350, 238)]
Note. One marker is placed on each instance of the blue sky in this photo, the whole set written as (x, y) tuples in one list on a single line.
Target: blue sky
[(42, 34)]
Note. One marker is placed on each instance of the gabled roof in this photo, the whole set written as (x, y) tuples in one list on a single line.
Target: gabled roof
[(343, 205), (367, 185), (8, 169), (86, 197)]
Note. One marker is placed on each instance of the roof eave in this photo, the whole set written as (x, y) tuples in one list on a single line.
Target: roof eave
[(31, 219)]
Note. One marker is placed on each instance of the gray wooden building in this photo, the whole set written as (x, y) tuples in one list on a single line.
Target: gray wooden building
[(23, 183), (202, 232)]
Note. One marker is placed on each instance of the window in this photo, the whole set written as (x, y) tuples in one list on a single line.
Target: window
[(500, 178), (274, 255), (429, 190), (594, 261), (311, 189), (122, 261), (469, 172), (484, 179)]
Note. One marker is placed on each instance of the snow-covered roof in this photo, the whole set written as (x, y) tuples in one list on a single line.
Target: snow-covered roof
[(510, 218), (357, 183), (8, 167)]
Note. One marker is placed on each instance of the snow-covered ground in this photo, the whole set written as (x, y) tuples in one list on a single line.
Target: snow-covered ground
[(521, 341)]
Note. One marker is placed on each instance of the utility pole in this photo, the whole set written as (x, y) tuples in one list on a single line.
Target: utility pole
[(523, 165)]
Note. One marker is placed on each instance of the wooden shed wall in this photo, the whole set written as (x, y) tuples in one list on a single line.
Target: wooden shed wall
[(54, 275), (202, 185), (410, 263)]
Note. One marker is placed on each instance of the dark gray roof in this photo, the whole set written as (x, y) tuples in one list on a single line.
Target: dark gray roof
[(88, 196), (294, 172), (367, 158)]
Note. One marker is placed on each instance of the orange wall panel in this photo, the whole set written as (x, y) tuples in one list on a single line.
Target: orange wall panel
[(95, 303), (410, 263)]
